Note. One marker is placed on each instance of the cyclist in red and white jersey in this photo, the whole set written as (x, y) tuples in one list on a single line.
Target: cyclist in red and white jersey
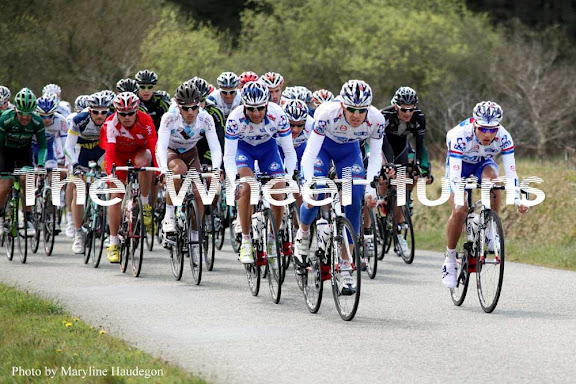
[(128, 134)]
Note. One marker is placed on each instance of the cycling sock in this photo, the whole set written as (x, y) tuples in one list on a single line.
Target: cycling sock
[(79, 230), (304, 233), (114, 240), (450, 254), (144, 200), (69, 217), (169, 211), (246, 237)]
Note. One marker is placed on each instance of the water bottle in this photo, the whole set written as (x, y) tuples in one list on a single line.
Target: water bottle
[(472, 225), (323, 232)]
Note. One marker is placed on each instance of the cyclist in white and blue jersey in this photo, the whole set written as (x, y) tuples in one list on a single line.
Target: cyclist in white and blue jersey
[(84, 133), (339, 126), (253, 132), (472, 146), (54, 124)]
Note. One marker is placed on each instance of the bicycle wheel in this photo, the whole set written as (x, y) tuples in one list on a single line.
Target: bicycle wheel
[(100, 233), (370, 258), (291, 225), (235, 239), (88, 226), (177, 253), (37, 210), (208, 240), (159, 211), (253, 274), (381, 237), (136, 236), (219, 219), (50, 219), (407, 232), (123, 236), (490, 266), (22, 239), (458, 294), (345, 243), (11, 228), (311, 279), (150, 235), (194, 243), (274, 259)]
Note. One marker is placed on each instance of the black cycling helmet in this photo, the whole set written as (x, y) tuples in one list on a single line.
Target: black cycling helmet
[(127, 85), (405, 96), (146, 77), (187, 93), (201, 85)]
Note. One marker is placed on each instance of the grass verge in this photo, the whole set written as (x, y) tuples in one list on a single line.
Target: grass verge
[(36, 336)]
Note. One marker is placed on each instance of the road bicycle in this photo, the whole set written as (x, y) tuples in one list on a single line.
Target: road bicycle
[(15, 231), (94, 223)]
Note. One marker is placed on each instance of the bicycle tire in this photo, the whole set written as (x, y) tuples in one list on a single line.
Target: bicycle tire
[(124, 239), (11, 232), (99, 236), (372, 260), (408, 234), (490, 265), (235, 240), (219, 229), (344, 235), (208, 240), (194, 246), (50, 218), (312, 282), (274, 258), (150, 235), (137, 235), (37, 210), (381, 237), (89, 226), (177, 255), (458, 294), (23, 234)]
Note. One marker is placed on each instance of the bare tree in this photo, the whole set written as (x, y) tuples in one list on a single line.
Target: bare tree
[(533, 73)]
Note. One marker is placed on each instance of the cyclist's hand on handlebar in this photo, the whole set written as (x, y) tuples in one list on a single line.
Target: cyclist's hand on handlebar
[(77, 170), (371, 201), (390, 172)]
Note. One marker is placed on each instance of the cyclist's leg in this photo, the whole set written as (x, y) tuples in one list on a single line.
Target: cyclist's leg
[(192, 161), (308, 212), (490, 170), (245, 165), (143, 159)]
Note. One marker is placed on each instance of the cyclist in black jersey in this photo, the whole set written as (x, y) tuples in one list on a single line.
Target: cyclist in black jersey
[(156, 102)]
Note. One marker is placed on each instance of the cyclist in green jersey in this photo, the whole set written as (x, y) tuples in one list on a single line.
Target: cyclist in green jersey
[(17, 126)]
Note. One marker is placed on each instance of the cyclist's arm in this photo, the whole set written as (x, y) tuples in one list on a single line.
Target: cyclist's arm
[(151, 139), (42, 144), (387, 149), (230, 148), (213, 143), (163, 141), (108, 143), (70, 147), (507, 147), (419, 137), (454, 163), (285, 141)]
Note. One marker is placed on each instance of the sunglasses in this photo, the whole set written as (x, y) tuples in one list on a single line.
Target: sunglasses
[(228, 92), (488, 130), (24, 113), (256, 109), (407, 109), (96, 112), (297, 125), (146, 87), (191, 107), (124, 114), (47, 116), (359, 110)]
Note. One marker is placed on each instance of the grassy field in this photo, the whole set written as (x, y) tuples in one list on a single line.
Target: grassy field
[(37, 335), (545, 236)]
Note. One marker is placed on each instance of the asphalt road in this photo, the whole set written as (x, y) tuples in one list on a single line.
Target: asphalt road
[(406, 329)]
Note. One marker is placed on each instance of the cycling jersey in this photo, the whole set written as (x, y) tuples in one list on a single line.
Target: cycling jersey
[(243, 139), (466, 153), (53, 140), (84, 133), (225, 108), (176, 134), (122, 143), (64, 108), (398, 130), (300, 141), (156, 106), (17, 136)]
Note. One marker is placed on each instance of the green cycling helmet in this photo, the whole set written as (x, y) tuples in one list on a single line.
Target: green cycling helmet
[(25, 101)]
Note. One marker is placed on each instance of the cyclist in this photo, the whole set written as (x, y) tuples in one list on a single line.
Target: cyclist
[(84, 132), (318, 97), (251, 131), (5, 99), (227, 97), (301, 124), (339, 125), (17, 126), (63, 106), (128, 134), (180, 130), (274, 81), (155, 102), (472, 146), (404, 118), (246, 77)]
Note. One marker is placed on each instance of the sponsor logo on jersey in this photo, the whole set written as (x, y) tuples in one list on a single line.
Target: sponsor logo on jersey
[(274, 166), (271, 117), (356, 169), (456, 167), (241, 158), (318, 162), (343, 128)]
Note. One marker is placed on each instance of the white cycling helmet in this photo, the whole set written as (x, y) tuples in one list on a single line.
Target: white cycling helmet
[(487, 114), (255, 94), (228, 80), (356, 93)]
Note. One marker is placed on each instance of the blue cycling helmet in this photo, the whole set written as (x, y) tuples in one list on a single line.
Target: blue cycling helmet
[(47, 104), (487, 114), (255, 94), (356, 93), (296, 110)]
